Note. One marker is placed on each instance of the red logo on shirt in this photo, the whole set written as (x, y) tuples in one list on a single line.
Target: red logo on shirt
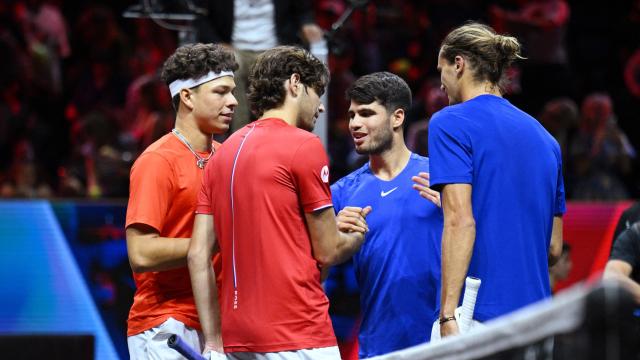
[(324, 174)]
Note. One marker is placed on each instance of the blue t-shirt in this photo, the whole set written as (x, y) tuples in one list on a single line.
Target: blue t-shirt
[(515, 169), (398, 266)]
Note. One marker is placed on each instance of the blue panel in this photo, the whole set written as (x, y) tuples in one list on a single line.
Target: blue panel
[(41, 288)]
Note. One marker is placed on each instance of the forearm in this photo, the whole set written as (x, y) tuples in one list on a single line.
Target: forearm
[(205, 294), (620, 271), (347, 245), (555, 249), (156, 253), (457, 247), (331, 245)]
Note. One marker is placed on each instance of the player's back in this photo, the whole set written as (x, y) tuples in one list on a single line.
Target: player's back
[(271, 295), (516, 172)]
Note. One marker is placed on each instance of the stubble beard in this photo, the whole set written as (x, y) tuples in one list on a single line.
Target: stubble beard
[(379, 145)]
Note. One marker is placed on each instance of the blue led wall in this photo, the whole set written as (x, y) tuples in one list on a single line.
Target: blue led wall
[(42, 290)]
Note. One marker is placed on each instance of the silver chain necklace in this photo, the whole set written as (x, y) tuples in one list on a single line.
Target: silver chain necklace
[(200, 161)]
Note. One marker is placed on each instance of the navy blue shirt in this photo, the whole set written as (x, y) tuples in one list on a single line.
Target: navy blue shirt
[(515, 169), (398, 266)]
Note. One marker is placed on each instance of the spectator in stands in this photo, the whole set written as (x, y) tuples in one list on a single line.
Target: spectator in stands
[(253, 26), (148, 111), (430, 100), (560, 117), (99, 76), (541, 25), (25, 177), (601, 154), (99, 159), (45, 31)]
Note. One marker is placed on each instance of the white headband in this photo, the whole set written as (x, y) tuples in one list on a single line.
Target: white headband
[(180, 84)]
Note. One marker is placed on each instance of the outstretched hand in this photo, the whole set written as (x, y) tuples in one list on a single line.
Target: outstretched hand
[(422, 186)]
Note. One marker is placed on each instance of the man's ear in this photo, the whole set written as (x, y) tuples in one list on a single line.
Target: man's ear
[(397, 118), (460, 64), (186, 98), (294, 84)]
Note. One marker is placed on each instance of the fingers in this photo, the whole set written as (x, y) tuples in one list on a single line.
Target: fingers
[(431, 195), (366, 211), (421, 179), (422, 186), (348, 227), (351, 219)]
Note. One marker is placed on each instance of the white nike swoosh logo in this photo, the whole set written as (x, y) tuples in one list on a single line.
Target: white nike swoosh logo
[(385, 193)]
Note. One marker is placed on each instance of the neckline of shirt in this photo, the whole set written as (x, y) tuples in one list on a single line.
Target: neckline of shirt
[(390, 181)]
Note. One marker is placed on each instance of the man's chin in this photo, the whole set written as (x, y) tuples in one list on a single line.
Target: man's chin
[(309, 126), (361, 150), (220, 129)]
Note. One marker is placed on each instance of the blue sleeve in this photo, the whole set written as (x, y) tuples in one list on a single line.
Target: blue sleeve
[(450, 152), (336, 196), (560, 206)]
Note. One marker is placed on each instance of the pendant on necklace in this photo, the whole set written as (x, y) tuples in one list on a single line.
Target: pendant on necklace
[(201, 163)]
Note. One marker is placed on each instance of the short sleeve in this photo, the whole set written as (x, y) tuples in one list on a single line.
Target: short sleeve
[(627, 247), (310, 170), (150, 188), (204, 203), (560, 206), (450, 152)]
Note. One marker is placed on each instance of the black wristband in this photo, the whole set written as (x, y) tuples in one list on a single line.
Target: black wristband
[(445, 319)]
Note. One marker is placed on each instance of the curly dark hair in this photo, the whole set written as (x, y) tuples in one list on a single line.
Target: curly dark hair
[(388, 89), (275, 66), (196, 60)]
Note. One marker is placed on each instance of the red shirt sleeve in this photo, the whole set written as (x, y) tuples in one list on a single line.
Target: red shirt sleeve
[(205, 194), (310, 169), (150, 188)]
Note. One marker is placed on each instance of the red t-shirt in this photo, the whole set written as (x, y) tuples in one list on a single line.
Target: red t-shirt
[(163, 191), (258, 186)]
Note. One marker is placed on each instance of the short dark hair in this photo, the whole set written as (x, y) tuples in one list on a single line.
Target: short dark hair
[(388, 89), (196, 60), (275, 66), (490, 54)]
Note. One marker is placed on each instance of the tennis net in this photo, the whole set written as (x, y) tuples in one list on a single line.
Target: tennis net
[(591, 322)]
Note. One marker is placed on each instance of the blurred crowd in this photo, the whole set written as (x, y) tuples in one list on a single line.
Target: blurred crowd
[(81, 97)]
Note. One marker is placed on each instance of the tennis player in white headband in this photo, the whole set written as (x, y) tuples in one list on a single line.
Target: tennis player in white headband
[(165, 181)]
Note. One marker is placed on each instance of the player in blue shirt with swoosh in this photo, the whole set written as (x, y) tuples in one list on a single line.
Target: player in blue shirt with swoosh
[(500, 173), (398, 266)]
